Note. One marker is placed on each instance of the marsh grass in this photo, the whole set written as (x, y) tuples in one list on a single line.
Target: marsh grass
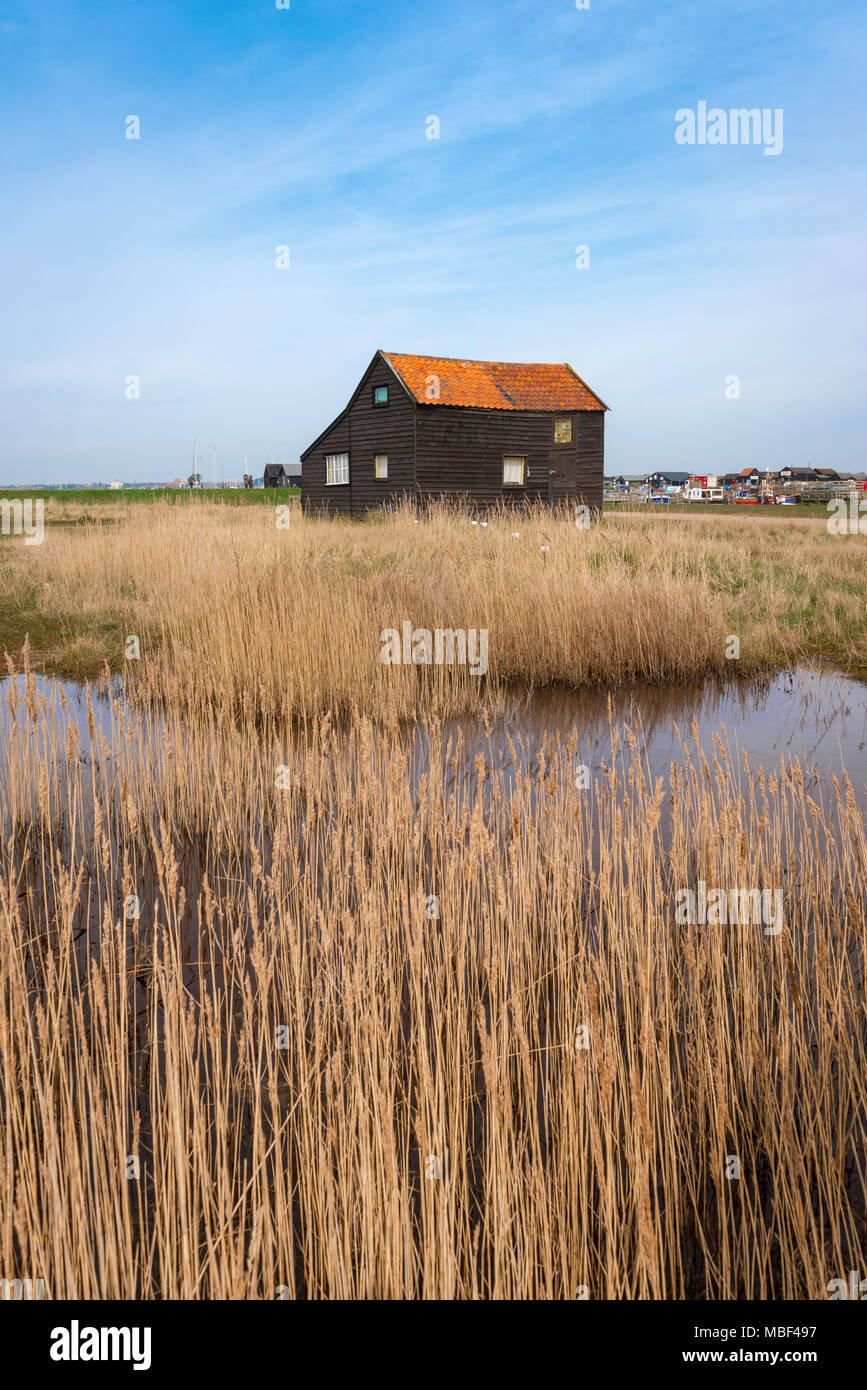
[(409, 1037), (231, 610)]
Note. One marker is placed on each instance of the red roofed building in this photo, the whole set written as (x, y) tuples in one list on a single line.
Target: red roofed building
[(428, 427)]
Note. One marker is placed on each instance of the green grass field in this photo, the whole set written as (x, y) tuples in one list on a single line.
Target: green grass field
[(182, 497)]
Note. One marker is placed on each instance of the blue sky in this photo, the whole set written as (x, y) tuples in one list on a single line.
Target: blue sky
[(307, 128)]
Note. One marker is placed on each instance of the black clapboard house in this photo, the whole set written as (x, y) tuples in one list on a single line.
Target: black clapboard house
[(278, 476), (443, 427), (667, 478)]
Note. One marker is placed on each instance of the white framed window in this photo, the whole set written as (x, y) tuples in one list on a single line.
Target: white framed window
[(513, 471), (380, 466), (336, 469), (563, 429)]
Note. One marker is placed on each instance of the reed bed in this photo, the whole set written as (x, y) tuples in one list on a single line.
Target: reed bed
[(292, 1073), (232, 611)]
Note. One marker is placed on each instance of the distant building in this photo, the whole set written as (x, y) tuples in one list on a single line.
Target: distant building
[(798, 475), (277, 475), (749, 478), (668, 480), (116, 486)]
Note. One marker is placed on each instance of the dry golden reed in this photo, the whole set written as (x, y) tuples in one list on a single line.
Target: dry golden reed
[(236, 613), (322, 1040)]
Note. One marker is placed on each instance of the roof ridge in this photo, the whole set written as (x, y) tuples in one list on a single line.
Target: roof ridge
[(491, 384), (478, 361)]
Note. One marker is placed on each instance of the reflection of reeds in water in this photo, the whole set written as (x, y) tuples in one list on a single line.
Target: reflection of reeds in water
[(407, 1036)]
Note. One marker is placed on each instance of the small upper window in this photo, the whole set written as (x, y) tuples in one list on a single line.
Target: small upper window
[(563, 430), (380, 466), (513, 472), (380, 395), (336, 469)]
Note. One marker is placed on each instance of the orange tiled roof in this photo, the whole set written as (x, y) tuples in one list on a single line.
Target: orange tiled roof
[(494, 385)]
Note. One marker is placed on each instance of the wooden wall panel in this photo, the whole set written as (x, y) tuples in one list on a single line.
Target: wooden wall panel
[(380, 429), (364, 431), (460, 451), (316, 495)]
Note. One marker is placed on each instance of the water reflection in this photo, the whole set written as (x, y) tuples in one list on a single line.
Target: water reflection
[(818, 717)]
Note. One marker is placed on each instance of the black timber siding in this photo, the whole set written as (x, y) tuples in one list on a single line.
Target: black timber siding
[(315, 495), (590, 460), (460, 451), (364, 431)]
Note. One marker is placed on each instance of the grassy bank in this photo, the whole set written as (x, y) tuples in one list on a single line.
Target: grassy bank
[(230, 609), (103, 505)]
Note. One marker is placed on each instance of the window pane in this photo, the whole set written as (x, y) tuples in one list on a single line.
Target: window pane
[(563, 431), (380, 466), (380, 395), (513, 471), (336, 469)]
